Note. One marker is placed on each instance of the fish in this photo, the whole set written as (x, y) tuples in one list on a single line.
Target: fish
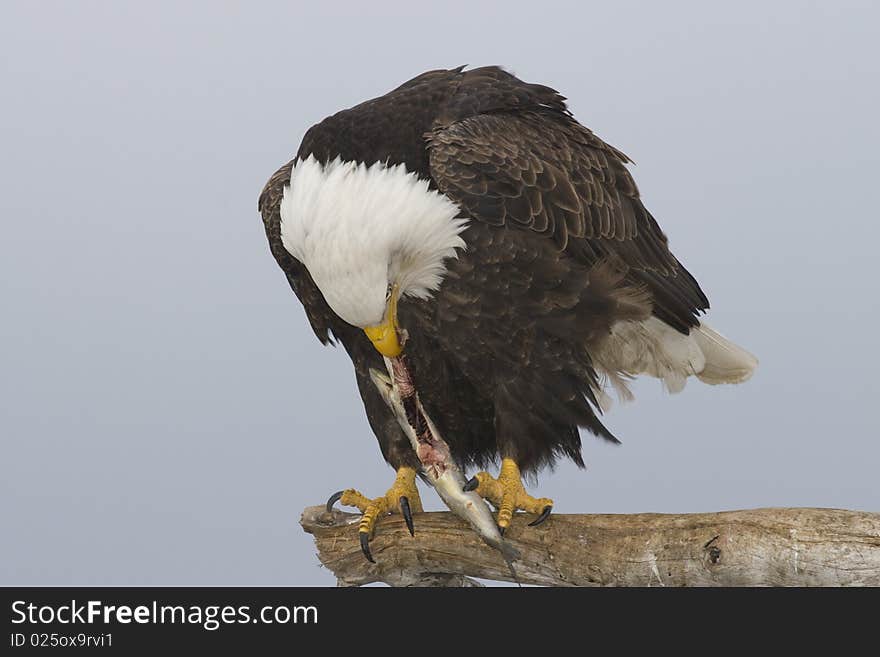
[(439, 469)]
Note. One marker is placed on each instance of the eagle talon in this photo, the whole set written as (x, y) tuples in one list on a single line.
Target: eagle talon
[(365, 546), (334, 498), (402, 497), (407, 514), (541, 518), (507, 494), (471, 484)]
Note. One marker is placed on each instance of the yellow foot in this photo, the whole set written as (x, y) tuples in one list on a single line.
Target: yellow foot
[(507, 494), (403, 496)]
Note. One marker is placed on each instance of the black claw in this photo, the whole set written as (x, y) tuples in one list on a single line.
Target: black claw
[(471, 484), (407, 514), (334, 498), (501, 530), (365, 546), (541, 518)]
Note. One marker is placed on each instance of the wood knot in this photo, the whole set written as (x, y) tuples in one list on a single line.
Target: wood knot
[(333, 518)]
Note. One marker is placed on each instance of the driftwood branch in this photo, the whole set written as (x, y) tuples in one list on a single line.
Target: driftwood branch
[(761, 547)]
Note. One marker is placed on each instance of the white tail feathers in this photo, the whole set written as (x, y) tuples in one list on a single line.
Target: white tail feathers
[(726, 362), (654, 348)]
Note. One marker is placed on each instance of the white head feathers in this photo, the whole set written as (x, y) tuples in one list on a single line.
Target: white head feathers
[(359, 229)]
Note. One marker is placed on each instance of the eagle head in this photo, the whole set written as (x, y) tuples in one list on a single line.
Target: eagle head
[(369, 236)]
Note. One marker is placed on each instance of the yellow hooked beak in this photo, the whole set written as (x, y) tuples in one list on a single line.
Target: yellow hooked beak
[(384, 335)]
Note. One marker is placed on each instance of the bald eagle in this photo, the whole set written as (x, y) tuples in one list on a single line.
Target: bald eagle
[(469, 211)]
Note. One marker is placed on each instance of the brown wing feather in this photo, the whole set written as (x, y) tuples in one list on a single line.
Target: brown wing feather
[(542, 170)]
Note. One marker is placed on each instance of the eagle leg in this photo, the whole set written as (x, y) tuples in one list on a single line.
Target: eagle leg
[(507, 494), (402, 497)]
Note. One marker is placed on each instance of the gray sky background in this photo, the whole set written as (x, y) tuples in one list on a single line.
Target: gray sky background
[(165, 410)]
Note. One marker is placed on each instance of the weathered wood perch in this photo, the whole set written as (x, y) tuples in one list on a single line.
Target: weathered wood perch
[(760, 547)]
